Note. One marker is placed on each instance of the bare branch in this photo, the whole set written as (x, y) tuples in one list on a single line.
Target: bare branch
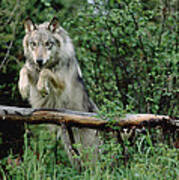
[(164, 12), (7, 54), (17, 6)]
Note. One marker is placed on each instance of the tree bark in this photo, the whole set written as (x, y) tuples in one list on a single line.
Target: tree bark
[(81, 119)]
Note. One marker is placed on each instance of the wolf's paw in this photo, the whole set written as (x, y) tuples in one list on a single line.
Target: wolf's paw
[(43, 84), (24, 86), (45, 73), (42, 87), (24, 90)]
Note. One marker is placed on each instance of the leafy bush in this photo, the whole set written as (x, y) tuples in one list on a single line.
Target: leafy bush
[(129, 54)]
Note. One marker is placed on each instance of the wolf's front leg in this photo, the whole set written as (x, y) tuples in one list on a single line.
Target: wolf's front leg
[(24, 82), (49, 81)]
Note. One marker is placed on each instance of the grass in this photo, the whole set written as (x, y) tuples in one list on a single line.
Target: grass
[(42, 161)]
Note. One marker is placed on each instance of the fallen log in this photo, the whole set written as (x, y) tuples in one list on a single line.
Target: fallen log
[(81, 119), (12, 121)]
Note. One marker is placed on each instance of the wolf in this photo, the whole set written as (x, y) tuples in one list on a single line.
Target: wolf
[(51, 78)]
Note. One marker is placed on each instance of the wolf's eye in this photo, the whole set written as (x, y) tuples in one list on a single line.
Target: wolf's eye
[(33, 44), (49, 44)]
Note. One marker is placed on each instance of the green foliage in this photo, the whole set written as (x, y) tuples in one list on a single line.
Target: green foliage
[(145, 161), (128, 52)]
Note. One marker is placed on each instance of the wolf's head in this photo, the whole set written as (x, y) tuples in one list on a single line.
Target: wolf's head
[(46, 43)]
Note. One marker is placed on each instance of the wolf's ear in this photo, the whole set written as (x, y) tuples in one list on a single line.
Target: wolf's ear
[(53, 25), (29, 25)]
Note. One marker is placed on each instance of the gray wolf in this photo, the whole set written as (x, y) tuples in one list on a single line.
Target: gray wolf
[(51, 78)]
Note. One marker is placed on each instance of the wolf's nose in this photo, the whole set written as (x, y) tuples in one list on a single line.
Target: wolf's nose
[(39, 62)]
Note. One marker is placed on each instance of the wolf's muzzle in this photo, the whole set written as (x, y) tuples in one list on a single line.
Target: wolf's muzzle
[(39, 62)]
